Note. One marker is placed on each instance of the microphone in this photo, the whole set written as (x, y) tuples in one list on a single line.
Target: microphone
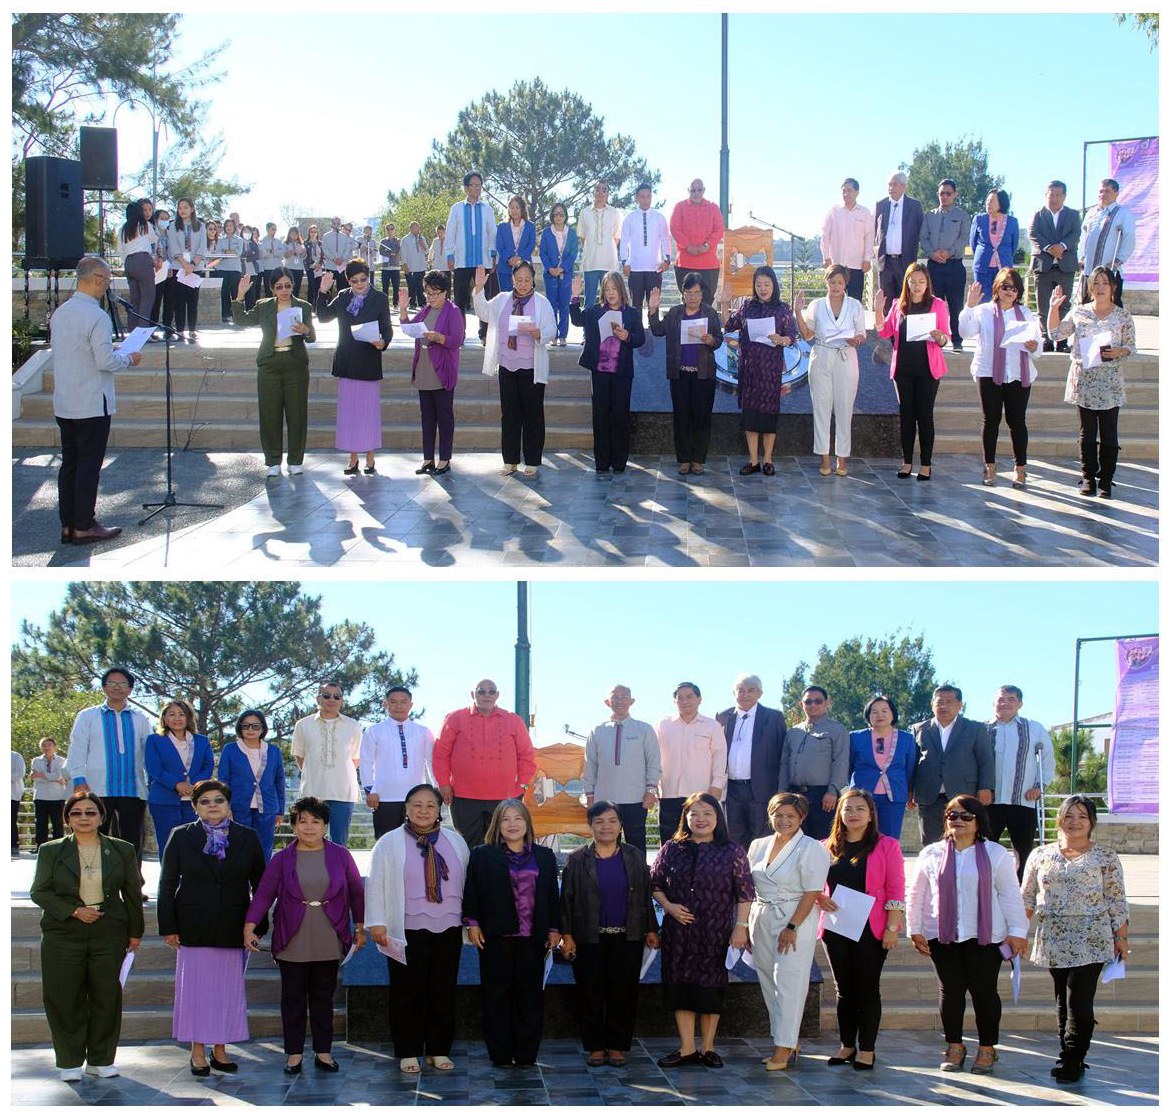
[(127, 305)]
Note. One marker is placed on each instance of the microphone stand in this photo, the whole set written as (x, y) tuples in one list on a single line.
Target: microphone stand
[(792, 238), (169, 498)]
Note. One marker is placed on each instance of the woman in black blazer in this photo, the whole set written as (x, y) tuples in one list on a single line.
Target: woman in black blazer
[(209, 873), (607, 919), (358, 363), (512, 935), (610, 359)]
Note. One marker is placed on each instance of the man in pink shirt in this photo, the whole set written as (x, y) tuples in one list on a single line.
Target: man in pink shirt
[(483, 756), (847, 238), (693, 757), (697, 227)]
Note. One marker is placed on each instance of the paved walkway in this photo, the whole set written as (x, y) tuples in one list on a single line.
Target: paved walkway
[(570, 517), (1123, 1071)]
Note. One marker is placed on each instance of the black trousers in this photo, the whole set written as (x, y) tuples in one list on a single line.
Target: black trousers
[(523, 428), (47, 813), (891, 269), (607, 973), (83, 448), (747, 817), (416, 289), (633, 816), (436, 424), (948, 281), (857, 972), (1021, 823), (124, 819), (313, 281), (709, 278), (1011, 400), (308, 986), (463, 284), (856, 285), (669, 814), (1044, 283), (968, 969), (916, 412), (1098, 441), (387, 816), (511, 972), (230, 280), (422, 995), (610, 420), (931, 820), (642, 283), (15, 826), (472, 818), (391, 277), (185, 302), (818, 822), (1074, 991), (693, 400)]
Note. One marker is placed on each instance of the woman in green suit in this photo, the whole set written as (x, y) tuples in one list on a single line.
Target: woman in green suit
[(283, 369), (88, 886)]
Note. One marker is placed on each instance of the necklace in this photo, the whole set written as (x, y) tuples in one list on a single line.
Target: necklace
[(90, 866)]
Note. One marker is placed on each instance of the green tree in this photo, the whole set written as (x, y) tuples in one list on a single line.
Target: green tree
[(1147, 22), (426, 207), (189, 169), (1092, 766), (901, 667), (223, 646), (47, 713), (544, 145), (965, 160)]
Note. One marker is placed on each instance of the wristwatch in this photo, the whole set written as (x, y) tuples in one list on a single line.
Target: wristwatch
[(790, 927)]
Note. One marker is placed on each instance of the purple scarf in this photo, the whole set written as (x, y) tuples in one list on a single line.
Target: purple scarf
[(518, 308), (949, 898), (355, 305), (218, 838), (999, 370)]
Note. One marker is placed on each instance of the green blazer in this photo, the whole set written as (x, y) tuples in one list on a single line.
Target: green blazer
[(58, 876), (265, 313)]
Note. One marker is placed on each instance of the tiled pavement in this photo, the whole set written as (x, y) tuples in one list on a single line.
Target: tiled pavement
[(570, 517), (1123, 1071)]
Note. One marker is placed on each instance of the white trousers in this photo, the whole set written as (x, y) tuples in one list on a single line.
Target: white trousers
[(783, 978), (833, 383)]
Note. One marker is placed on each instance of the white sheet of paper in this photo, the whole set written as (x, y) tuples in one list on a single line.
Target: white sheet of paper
[(837, 339), (194, 280), (414, 331), (548, 962), (135, 340), (646, 961), (161, 275), (760, 328), (920, 326), (366, 332), (287, 318), (395, 949), (607, 320), (692, 331), (853, 909), (512, 324), (1021, 333), (1015, 977), (125, 971), (1089, 348), (1114, 971), (733, 957)]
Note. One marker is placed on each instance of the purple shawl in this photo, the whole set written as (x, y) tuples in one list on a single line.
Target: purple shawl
[(998, 352), (949, 897)]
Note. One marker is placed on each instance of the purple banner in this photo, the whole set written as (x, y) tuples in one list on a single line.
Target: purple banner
[(1133, 771), (1135, 165)]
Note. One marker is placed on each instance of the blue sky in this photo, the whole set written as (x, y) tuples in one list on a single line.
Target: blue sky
[(807, 107), (587, 635)]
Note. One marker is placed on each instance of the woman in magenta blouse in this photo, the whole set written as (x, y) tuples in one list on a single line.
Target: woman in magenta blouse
[(916, 365)]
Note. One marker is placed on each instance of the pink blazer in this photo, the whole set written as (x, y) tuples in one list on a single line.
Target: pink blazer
[(890, 328), (885, 880)]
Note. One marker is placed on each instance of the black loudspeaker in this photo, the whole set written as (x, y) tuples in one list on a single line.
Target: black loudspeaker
[(99, 150), (53, 213)]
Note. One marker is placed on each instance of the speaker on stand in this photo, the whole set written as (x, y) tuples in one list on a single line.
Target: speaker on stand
[(98, 147)]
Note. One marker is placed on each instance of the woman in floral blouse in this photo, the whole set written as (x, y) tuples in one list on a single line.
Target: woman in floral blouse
[(1097, 391), (1076, 888)]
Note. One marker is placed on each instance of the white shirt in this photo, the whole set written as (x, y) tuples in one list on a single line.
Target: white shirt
[(18, 775), (977, 320), (645, 240), (1007, 744), (599, 230), (87, 747), (894, 227), (922, 897), (739, 754), (390, 769), (329, 748), (57, 787), (820, 318), (944, 737), (141, 243), (84, 359)]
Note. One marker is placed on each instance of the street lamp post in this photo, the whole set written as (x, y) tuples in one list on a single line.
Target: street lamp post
[(724, 152)]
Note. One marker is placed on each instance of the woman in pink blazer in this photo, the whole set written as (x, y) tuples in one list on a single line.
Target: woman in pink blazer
[(916, 366), (869, 862)]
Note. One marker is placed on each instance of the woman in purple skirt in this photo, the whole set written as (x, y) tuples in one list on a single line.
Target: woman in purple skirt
[(358, 362), (210, 871)]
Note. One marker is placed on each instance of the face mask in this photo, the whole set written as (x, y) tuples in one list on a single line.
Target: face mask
[(164, 224)]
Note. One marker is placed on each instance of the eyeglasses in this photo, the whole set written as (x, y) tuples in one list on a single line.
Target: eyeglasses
[(1007, 287), (211, 801), (879, 746), (328, 695), (486, 691), (117, 685), (84, 814), (282, 286), (960, 816), (250, 725), (812, 702)]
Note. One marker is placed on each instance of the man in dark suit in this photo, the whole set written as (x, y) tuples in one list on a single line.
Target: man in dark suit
[(955, 758), (898, 223), (1054, 235), (755, 740)]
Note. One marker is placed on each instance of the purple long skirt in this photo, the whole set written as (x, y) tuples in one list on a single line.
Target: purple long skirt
[(210, 996), (357, 427)]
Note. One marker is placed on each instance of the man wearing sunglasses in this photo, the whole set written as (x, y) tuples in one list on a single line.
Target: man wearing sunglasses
[(815, 761), (325, 746), (955, 758), (483, 755)]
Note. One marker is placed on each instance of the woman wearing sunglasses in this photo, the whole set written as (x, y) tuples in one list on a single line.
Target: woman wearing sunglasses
[(209, 872), (882, 761), (965, 913), (253, 772)]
